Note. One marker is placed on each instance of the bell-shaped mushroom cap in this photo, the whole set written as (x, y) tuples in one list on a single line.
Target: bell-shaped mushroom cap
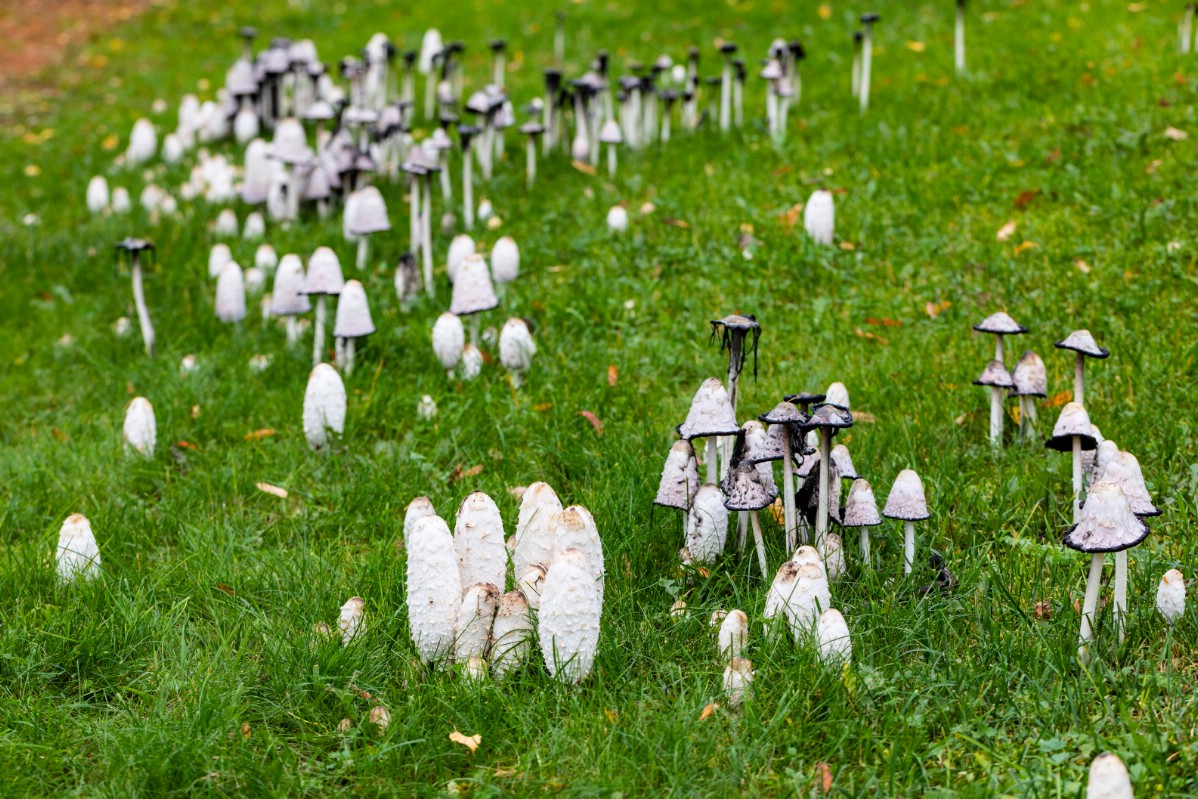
[(218, 256), (459, 247), (319, 111), (995, 375), (505, 260), (832, 636), (449, 337), (784, 413), (140, 430), (574, 528), (733, 634), (711, 413), (286, 298), (906, 500), (516, 346), (844, 462), (350, 621), (532, 128), (417, 509), (772, 70), (1081, 341), (324, 273), (610, 133), (861, 509), (324, 405), (290, 143), (472, 361), (1030, 378), (534, 533), (746, 490), (77, 555), (353, 312), (439, 140), (738, 681), (569, 617), (369, 212), (829, 416), (255, 184), (434, 588), (819, 217), (772, 446), (430, 48), (1124, 470), (265, 258), (1108, 779), (870, 17), (317, 186), (838, 395), (230, 293), (473, 291), (1106, 452), (97, 194), (478, 537), (1171, 596), (679, 477), (706, 525), (1073, 422), (1107, 523), (1000, 323)]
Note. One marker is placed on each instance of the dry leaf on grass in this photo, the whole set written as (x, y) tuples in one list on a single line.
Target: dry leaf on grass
[(934, 309), (274, 491), (612, 375), (459, 473), (1025, 197), (1082, 266), (823, 777), (584, 168), (865, 334), (1057, 400), (260, 434), (708, 711), (678, 223), (1174, 134), (1006, 231), (916, 47), (1025, 246), (471, 742), (594, 420)]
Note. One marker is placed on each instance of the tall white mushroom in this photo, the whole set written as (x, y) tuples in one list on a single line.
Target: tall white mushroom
[(734, 634), (478, 539), (710, 416), (569, 617), (369, 217), (832, 636), (1108, 779), (784, 443), (819, 217), (351, 622), (996, 377), (417, 509), (999, 324), (907, 503), (322, 280), (511, 635), (867, 48), (706, 524), (828, 419), (1084, 345), (97, 194), (352, 323), (505, 261), (476, 618), (135, 247), (534, 544), (959, 38), (143, 142), (1030, 380), (861, 510), (140, 430), (230, 294), (434, 589), (746, 490), (460, 246), (611, 136), (449, 337), (679, 477), (473, 292), (287, 297), (516, 348), (1171, 596), (324, 406), (1072, 433), (1124, 470), (78, 554), (575, 528)]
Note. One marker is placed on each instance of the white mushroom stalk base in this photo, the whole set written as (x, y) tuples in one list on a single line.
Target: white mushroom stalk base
[(318, 331), (1121, 592), (468, 188), (530, 168), (293, 331), (611, 160), (1027, 417), (143, 313), (426, 235), (867, 47), (414, 218), (996, 415), (1077, 479), (363, 251), (959, 40), (347, 355), (908, 546), (1093, 583)]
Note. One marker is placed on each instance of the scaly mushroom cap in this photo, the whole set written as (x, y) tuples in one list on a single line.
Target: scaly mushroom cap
[(473, 291), (995, 375), (746, 490), (97, 194), (230, 293), (324, 406), (771, 447), (734, 634), (1073, 422), (511, 635), (832, 634), (819, 217), (1030, 378), (478, 538), (1107, 523), (679, 477), (837, 395), (610, 133), (255, 179), (417, 509), (1108, 779), (1124, 470), (1081, 341), (800, 592), (1106, 452), (861, 509), (77, 555), (784, 413), (569, 617), (505, 260), (1000, 323), (710, 414), (353, 312), (324, 273), (290, 144), (830, 417), (434, 589), (1171, 596), (472, 362), (617, 218), (369, 212), (140, 430), (476, 617), (575, 528), (706, 525), (449, 337), (286, 297), (516, 346), (459, 247), (906, 500), (532, 583), (350, 621), (844, 462), (218, 256), (534, 532)]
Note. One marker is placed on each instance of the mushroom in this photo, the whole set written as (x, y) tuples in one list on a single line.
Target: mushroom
[(786, 423), (407, 281), (323, 280), (531, 129), (426, 409), (287, 297), (511, 635), (1030, 380), (218, 256), (476, 618), (996, 377), (833, 554), (828, 419), (1124, 470), (505, 261), (370, 217), (1171, 596), (569, 617), (353, 321), (226, 224), (575, 528), (727, 49), (97, 195), (733, 332), (1090, 471), (230, 294), (380, 717), (534, 536), (256, 177), (473, 292), (832, 636), (324, 406), (143, 142), (819, 217), (466, 133), (734, 634), (746, 490), (867, 46), (417, 509), (434, 589), (478, 538), (710, 416), (706, 525), (738, 681), (907, 503), (135, 247), (516, 349), (959, 38), (351, 622), (617, 218), (999, 324), (254, 227), (1072, 432), (449, 337), (800, 591), (679, 478), (78, 554), (472, 361), (1107, 524), (611, 136), (140, 430), (120, 200), (1108, 779), (1081, 342), (1185, 27), (760, 448), (861, 510), (430, 47)]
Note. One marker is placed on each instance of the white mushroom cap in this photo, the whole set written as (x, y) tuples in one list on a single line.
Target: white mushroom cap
[(1107, 523), (833, 552), (505, 260), (77, 555), (324, 273), (324, 405), (472, 362), (290, 143), (434, 588), (617, 218), (772, 70), (369, 212), (534, 531), (97, 194), (140, 430), (459, 247), (1124, 470), (1000, 323), (861, 509), (478, 539), (1073, 421), (679, 477), (1029, 377), (745, 489), (734, 634), (710, 413), (430, 46), (532, 583), (417, 509), (516, 346), (906, 500), (254, 227), (226, 223), (706, 524), (350, 622), (569, 617), (286, 298), (143, 142), (838, 396), (738, 681), (1081, 341), (120, 200), (476, 617), (255, 181), (800, 591), (353, 312), (575, 528), (844, 462), (1171, 596), (473, 291), (610, 133), (995, 375), (265, 258), (511, 635), (1108, 779), (449, 337), (230, 293), (1106, 452), (218, 256), (832, 635), (819, 219)]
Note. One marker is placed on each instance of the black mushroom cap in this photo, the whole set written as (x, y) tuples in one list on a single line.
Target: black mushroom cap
[(668, 96), (498, 45), (797, 50), (134, 245), (870, 17), (466, 133), (1001, 324), (728, 48), (858, 37), (409, 58)]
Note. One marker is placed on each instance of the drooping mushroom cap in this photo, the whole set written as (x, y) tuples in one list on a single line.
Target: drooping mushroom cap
[(1030, 378), (1107, 523), (772, 448), (844, 462), (290, 144), (784, 413), (1081, 341), (807, 497), (1073, 422), (837, 395), (610, 133), (286, 298), (1124, 471), (711, 413), (995, 375), (736, 322), (1000, 323), (744, 489), (679, 477), (906, 500), (861, 509), (830, 417), (353, 312), (369, 212), (324, 273), (473, 291), (1108, 779)]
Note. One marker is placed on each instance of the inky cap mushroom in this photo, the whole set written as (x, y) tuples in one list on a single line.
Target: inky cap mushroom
[(1073, 422), (710, 413), (1107, 523), (906, 500)]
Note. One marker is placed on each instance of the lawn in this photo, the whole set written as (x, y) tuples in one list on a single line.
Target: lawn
[(189, 667)]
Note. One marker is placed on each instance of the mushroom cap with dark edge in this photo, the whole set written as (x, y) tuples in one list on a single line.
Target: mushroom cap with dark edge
[(807, 497), (473, 290), (784, 413), (728, 48), (710, 413), (466, 133), (858, 36), (1001, 324), (1124, 470), (737, 322), (324, 273), (830, 417), (668, 96), (774, 447), (804, 398), (745, 489), (860, 509), (1081, 341), (497, 45), (1030, 377), (1073, 422), (869, 18), (844, 462), (797, 51), (532, 128), (995, 375), (1107, 523), (679, 477), (906, 501), (134, 244)]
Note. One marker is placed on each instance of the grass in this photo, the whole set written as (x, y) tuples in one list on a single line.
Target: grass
[(187, 669)]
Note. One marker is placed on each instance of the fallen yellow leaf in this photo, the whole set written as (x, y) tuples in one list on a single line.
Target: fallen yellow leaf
[(1024, 247), (1006, 231), (1173, 134), (848, 246), (274, 491), (825, 12), (582, 167), (471, 742), (915, 47), (1082, 266), (708, 711), (258, 435)]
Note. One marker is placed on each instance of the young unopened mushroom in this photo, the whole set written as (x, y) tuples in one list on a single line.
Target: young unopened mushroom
[(352, 323), (1072, 433), (819, 217), (460, 247), (254, 227), (706, 525), (833, 553), (417, 509), (516, 349), (230, 294), (1082, 343), (1171, 596), (511, 634), (1108, 779), (135, 247), (140, 430), (861, 510), (351, 622), (617, 218), (218, 256), (478, 538), (434, 589), (473, 292), (472, 361), (287, 297), (449, 337), (1030, 380), (97, 194), (710, 416), (907, 503), (143, 142), (574, 528), (800, 592), (78, 554), (738, 682), (324, 406), (832, 636), (1124, 470), (226, 223), (369, 217), (476, 618), (999, 324), (734, 634), (997, 379), (569, 617), (786, 422), (121, 204), (426, 409), (867, 47), (322, 280), (745, 490), (505, 261), (679, 477), (534, 543), (828, 419)]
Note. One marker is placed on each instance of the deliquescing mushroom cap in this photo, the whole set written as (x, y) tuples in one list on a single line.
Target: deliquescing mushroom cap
[(736, 322), (324, 273), (1124, 471), (906, 501), (830, 417), (473, 291), (772, 447), (861, 509), (772, 70), (784, 413), (532, 128), (286, 298), (1073, 422), (134, 245), (844, 462), (1000, 323), (1081, 341), (290, 143), (1030, 378), (679, 477), (807, 497), (804, 398), (744, 489), (370, 212), (353, 312), (710, 413), (995, 375), (1107, 522)]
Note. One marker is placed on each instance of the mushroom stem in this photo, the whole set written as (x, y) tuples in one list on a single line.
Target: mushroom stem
[(865, 546), (665, 124), (1077, 479), (414, 215), (1093, 582), (611, 160), (318, 331), (430, 93), (1120, 591), (293, 333), (825, 473), (712, 460), (446, 180), (468, 187), (759, 542), (742, 528), (143, 313), (475, 322), (738, 104), (530, 167), (998, 351), (426, 234), (347, 350), (856, 72), (726, 96), (1184, 27), (867, 46), (1079, 374), (996, 415), (959, 39), (908, 546), (1027, 416), (771, 111), (788, 493), (363, 251)]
